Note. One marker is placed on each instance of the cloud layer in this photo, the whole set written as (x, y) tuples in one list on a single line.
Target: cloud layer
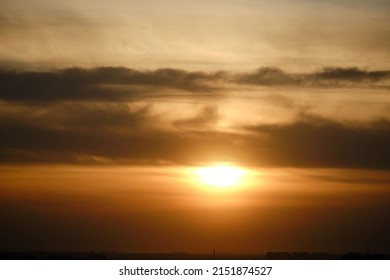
[(117, 84), (87, 116), (115, 134)]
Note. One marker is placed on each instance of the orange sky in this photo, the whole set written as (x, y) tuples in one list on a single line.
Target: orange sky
[(165, 209), (107, 109)]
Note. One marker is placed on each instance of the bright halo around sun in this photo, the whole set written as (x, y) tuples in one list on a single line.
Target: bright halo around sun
[(221, 175)]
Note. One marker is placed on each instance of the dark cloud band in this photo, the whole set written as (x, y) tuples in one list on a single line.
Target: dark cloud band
[(118, 84)]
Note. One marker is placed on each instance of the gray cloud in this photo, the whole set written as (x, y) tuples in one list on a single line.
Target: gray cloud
[(118, 84), (110, 133), (107, 132), (107, 83), (313, 141), (329, 76)]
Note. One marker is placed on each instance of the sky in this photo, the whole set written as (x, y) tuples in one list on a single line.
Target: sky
[(109, 109)]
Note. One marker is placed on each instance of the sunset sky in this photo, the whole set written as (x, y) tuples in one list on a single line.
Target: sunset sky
[(183, 126)]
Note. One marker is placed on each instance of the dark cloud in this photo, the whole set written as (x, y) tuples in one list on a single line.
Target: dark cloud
[(351, 74), (269, 76), (106, 83), (329, 76), (83, 133), (117, 134), (118, 83), (312, 141)]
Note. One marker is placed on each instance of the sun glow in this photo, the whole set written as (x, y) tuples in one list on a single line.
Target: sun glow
[(221, 175)]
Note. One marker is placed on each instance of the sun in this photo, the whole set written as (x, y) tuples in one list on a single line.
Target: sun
[(221, 175)]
